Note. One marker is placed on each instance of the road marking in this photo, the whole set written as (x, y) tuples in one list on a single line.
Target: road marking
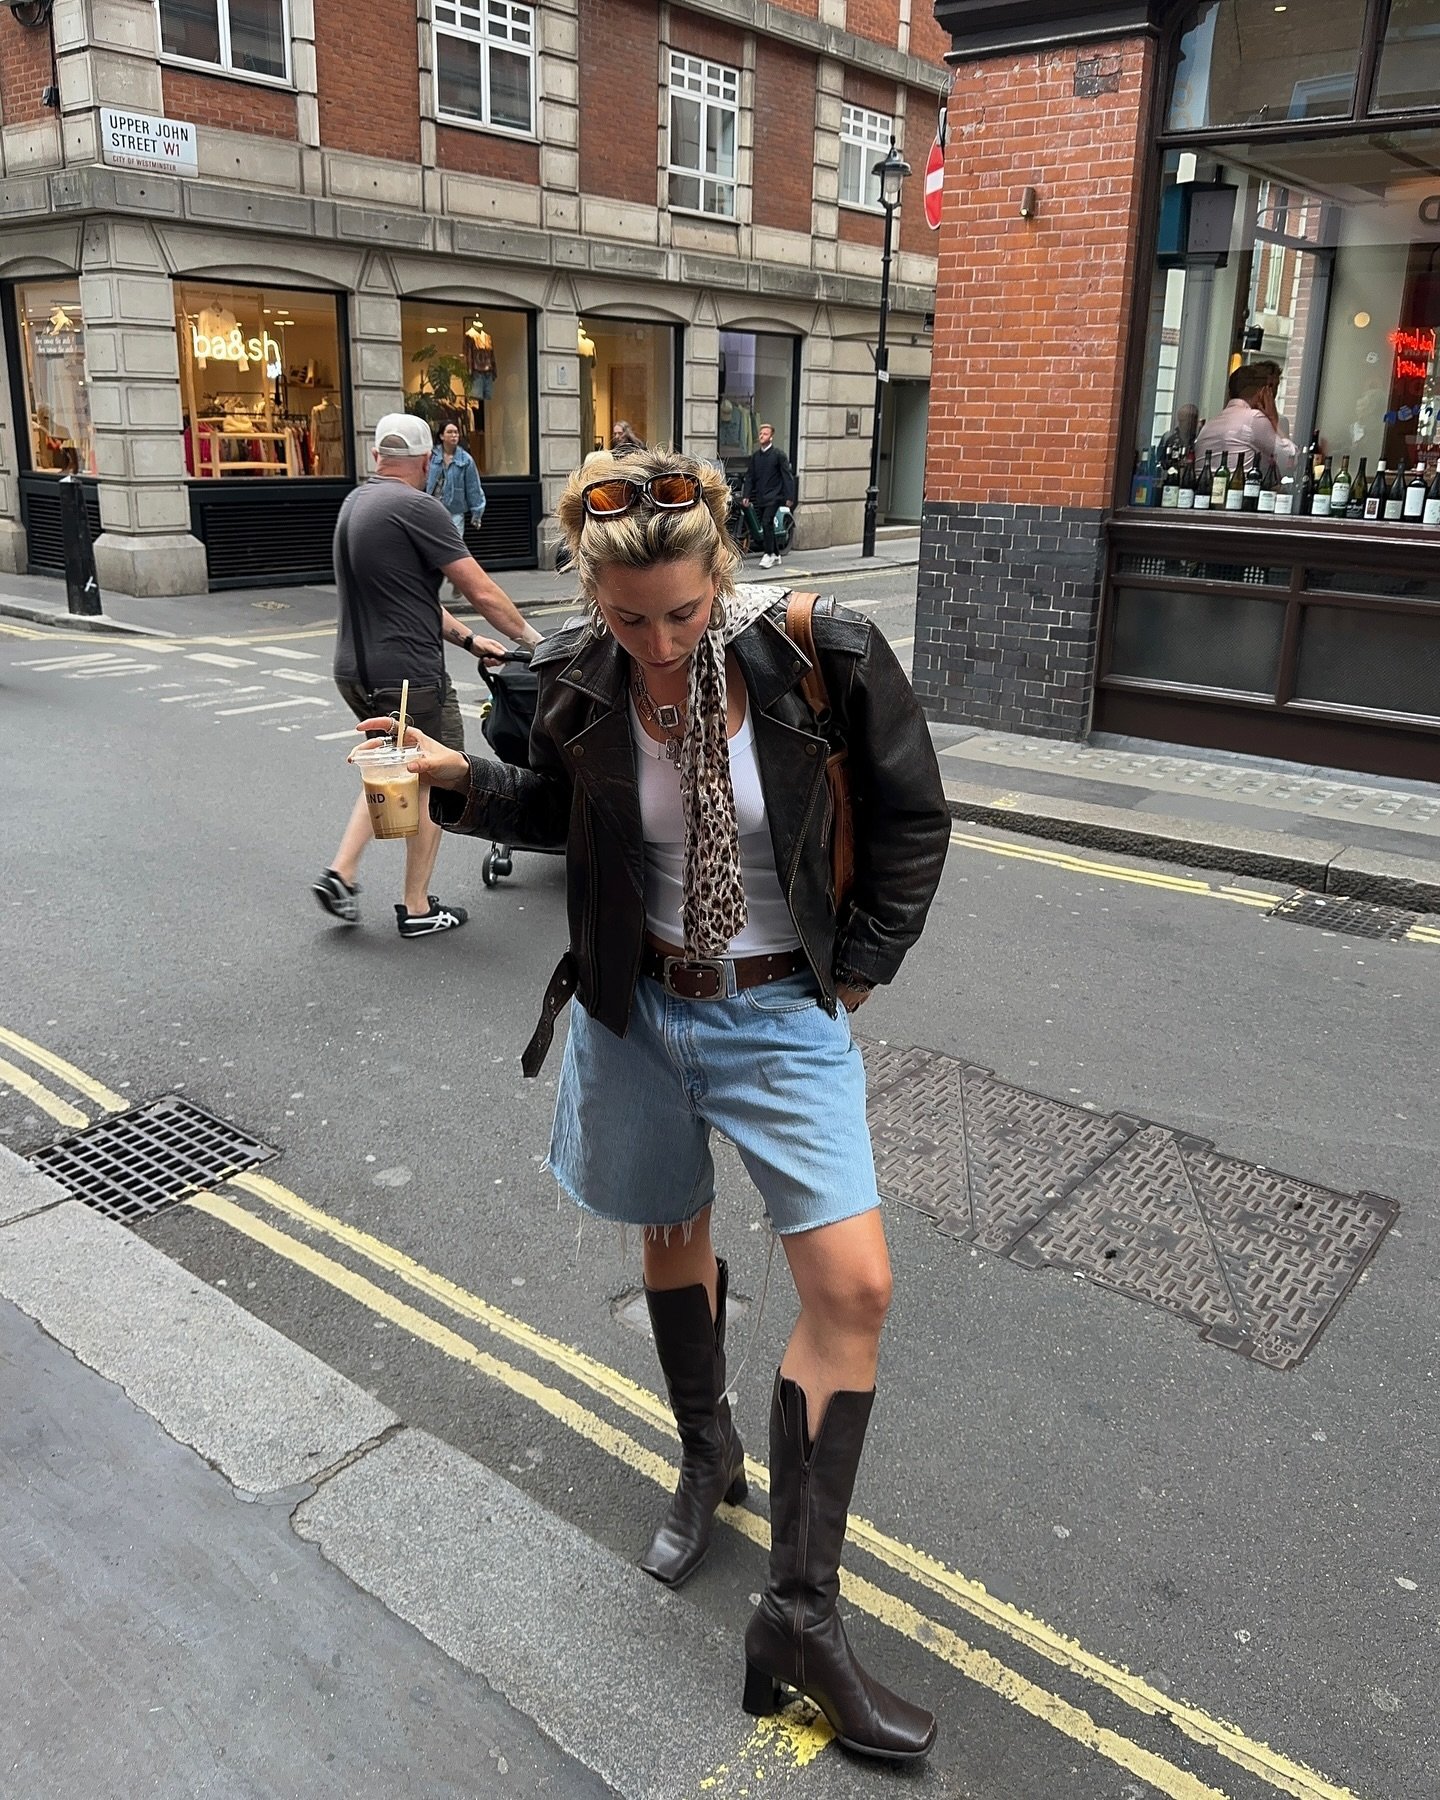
[(231, 712), (280, 650), (897, 644), (1079, 865), (978, 1665), (969, 1596), (309, 676), (116, 668), (329, 737), (56, 1065), (19, 631), (220, 662), (49, 664), (220, 690), (42, 1097)]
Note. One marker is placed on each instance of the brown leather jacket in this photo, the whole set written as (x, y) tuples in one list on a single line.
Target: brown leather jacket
[(580, 795)]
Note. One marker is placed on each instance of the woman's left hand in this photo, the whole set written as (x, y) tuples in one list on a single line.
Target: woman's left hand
[(852, 998)]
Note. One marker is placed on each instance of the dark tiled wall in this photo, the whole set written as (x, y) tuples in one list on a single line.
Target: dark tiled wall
[(1005, 616)]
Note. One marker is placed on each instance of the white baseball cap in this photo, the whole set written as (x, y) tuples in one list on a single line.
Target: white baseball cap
[(402, 434)]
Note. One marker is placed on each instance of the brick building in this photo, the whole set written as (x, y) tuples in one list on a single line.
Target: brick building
[(1141, 197), (535, 219)]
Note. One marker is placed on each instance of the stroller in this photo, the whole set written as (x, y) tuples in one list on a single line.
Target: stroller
[(509, 713)]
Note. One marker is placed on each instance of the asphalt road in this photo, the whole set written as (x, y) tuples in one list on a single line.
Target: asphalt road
[(1261, 1545)]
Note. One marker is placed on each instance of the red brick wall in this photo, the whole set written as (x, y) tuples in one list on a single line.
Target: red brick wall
[(784, 136), (808, 9), (699, 35), (878, 20), (367, 70), (231, 105), (1032, 317), (24, 69), (927, 39), (487, 153), (861, 227), (620, 58), (868, 90)]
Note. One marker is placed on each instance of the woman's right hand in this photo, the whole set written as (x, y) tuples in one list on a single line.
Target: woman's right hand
[(434, 763)]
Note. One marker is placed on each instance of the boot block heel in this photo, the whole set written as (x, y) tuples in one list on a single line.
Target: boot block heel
[(762, 1692), (737, 1490)]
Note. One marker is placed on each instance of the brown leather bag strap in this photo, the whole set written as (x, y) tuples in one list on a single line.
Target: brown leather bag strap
[(800, 628)]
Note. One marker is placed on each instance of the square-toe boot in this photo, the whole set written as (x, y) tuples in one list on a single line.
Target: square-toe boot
[(795, 1636), (691, 1347)]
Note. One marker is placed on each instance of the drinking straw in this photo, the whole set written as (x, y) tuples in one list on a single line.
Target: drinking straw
[(400, 726)]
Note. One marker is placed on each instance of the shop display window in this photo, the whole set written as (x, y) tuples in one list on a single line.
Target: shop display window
[(1318, 261), (473, 367), (1251, 62), (758, 386), (627, 379), (52, 356), (260, 381)]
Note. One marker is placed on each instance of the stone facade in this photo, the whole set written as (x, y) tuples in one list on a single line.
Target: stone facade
[(292, 192)]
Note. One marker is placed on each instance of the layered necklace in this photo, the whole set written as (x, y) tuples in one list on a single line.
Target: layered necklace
[(666, 719)]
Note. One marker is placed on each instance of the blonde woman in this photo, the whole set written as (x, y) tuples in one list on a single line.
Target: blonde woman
[(674, 758)]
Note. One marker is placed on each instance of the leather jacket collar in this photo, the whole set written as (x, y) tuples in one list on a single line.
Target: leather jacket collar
[(769, 661)]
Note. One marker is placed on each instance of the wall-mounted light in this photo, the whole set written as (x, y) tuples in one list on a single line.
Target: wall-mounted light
[(1029, 203), (1362, 319), (31, 12)]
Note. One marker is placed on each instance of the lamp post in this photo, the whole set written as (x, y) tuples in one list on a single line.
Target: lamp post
[(892, 171)]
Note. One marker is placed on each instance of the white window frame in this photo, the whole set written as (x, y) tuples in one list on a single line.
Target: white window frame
[(506, 25), (224, 66), (715, 88), (872, 133)]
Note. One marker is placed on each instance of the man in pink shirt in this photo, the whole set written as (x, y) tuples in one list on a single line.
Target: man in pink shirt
[(1249, 425)]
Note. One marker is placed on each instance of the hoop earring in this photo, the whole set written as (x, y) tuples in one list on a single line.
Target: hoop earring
[(719, 617), (596, 618)]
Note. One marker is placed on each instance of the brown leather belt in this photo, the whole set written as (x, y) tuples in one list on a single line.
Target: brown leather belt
[(703, 978)]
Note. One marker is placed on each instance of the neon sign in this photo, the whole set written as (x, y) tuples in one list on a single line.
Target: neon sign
[(233, 346), (1414, 352)]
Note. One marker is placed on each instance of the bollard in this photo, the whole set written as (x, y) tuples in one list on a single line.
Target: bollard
[(82, 585)]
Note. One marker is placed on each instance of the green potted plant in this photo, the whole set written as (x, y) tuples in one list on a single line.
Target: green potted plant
[(442, 386)]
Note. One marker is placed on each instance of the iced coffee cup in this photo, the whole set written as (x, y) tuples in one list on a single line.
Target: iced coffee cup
[(391, 790)]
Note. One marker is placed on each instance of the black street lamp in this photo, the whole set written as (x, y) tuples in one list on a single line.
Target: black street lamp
[(892, 171)]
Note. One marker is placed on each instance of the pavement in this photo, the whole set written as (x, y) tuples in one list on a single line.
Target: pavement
[(229, 1570), (1330, 831)]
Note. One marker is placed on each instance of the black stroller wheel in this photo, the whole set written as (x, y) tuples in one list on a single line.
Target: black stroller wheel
[(488, 871)]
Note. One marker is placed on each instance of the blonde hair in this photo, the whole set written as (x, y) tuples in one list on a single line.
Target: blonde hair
[(647, 535)]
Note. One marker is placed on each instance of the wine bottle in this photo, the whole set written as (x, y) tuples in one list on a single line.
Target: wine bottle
[(1375, 499), (1250, 495), (1235, 487), (1204, 485), (1170, 493), (1269, 488), (1305, 493), (1432, 500), (1340, 493), (1355, 505), (1395, 496), (1185, 500), (1415, 495), (1320, 506), (1220, 485), (1142, 488), (1285, 495), (1314, 456)]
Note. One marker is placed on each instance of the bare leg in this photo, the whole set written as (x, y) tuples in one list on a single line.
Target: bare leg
[(358, 834), (842, 1275), (420, 853), (684, 1262)]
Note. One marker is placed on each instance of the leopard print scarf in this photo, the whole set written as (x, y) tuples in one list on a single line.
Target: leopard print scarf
[(714, 906)]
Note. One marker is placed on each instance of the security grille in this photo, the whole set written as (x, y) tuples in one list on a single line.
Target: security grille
[(1334, 912), (135, 1163)]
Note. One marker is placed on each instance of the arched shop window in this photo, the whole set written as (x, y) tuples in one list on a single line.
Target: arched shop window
[(471, 366)]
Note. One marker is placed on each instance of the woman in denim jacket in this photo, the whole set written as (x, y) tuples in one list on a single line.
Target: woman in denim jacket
[(454, 480)]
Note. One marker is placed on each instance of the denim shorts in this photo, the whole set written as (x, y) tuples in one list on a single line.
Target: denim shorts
[(768, 1067)]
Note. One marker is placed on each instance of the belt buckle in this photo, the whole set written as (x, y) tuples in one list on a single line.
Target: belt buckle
[(708, 965)]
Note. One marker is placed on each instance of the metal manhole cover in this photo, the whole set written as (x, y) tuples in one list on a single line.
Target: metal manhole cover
[(133, 1164), (1259, 1261), (1335, 912)]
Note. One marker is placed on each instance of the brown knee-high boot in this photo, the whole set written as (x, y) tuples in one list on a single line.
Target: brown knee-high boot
[(691, 1348), (795, 1635)]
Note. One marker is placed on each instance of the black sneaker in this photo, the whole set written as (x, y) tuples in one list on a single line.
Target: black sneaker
[(337, 899), (439, 918)]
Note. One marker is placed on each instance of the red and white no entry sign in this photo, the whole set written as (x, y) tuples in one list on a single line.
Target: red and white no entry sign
[(934, 182)]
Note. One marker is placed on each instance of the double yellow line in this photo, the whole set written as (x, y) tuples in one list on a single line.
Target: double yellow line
[(792, 1743)]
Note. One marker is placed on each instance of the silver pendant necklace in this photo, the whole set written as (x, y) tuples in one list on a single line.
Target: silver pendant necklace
[(667, 718)]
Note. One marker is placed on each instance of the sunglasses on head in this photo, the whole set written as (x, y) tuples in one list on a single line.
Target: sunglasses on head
[(618, 494)]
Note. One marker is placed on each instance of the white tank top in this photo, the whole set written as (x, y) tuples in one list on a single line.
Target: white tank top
[(769, 927)]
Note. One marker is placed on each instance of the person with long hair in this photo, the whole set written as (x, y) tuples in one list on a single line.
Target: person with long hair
[(676, 760)]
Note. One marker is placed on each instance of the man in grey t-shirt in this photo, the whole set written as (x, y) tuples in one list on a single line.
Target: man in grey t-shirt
[(393, 544)]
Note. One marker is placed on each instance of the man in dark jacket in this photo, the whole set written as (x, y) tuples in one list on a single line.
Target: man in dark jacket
[(769, 485)]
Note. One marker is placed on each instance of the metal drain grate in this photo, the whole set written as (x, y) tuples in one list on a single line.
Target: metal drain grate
[(1334, 912), (1259, 1261), (137, 1162)]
